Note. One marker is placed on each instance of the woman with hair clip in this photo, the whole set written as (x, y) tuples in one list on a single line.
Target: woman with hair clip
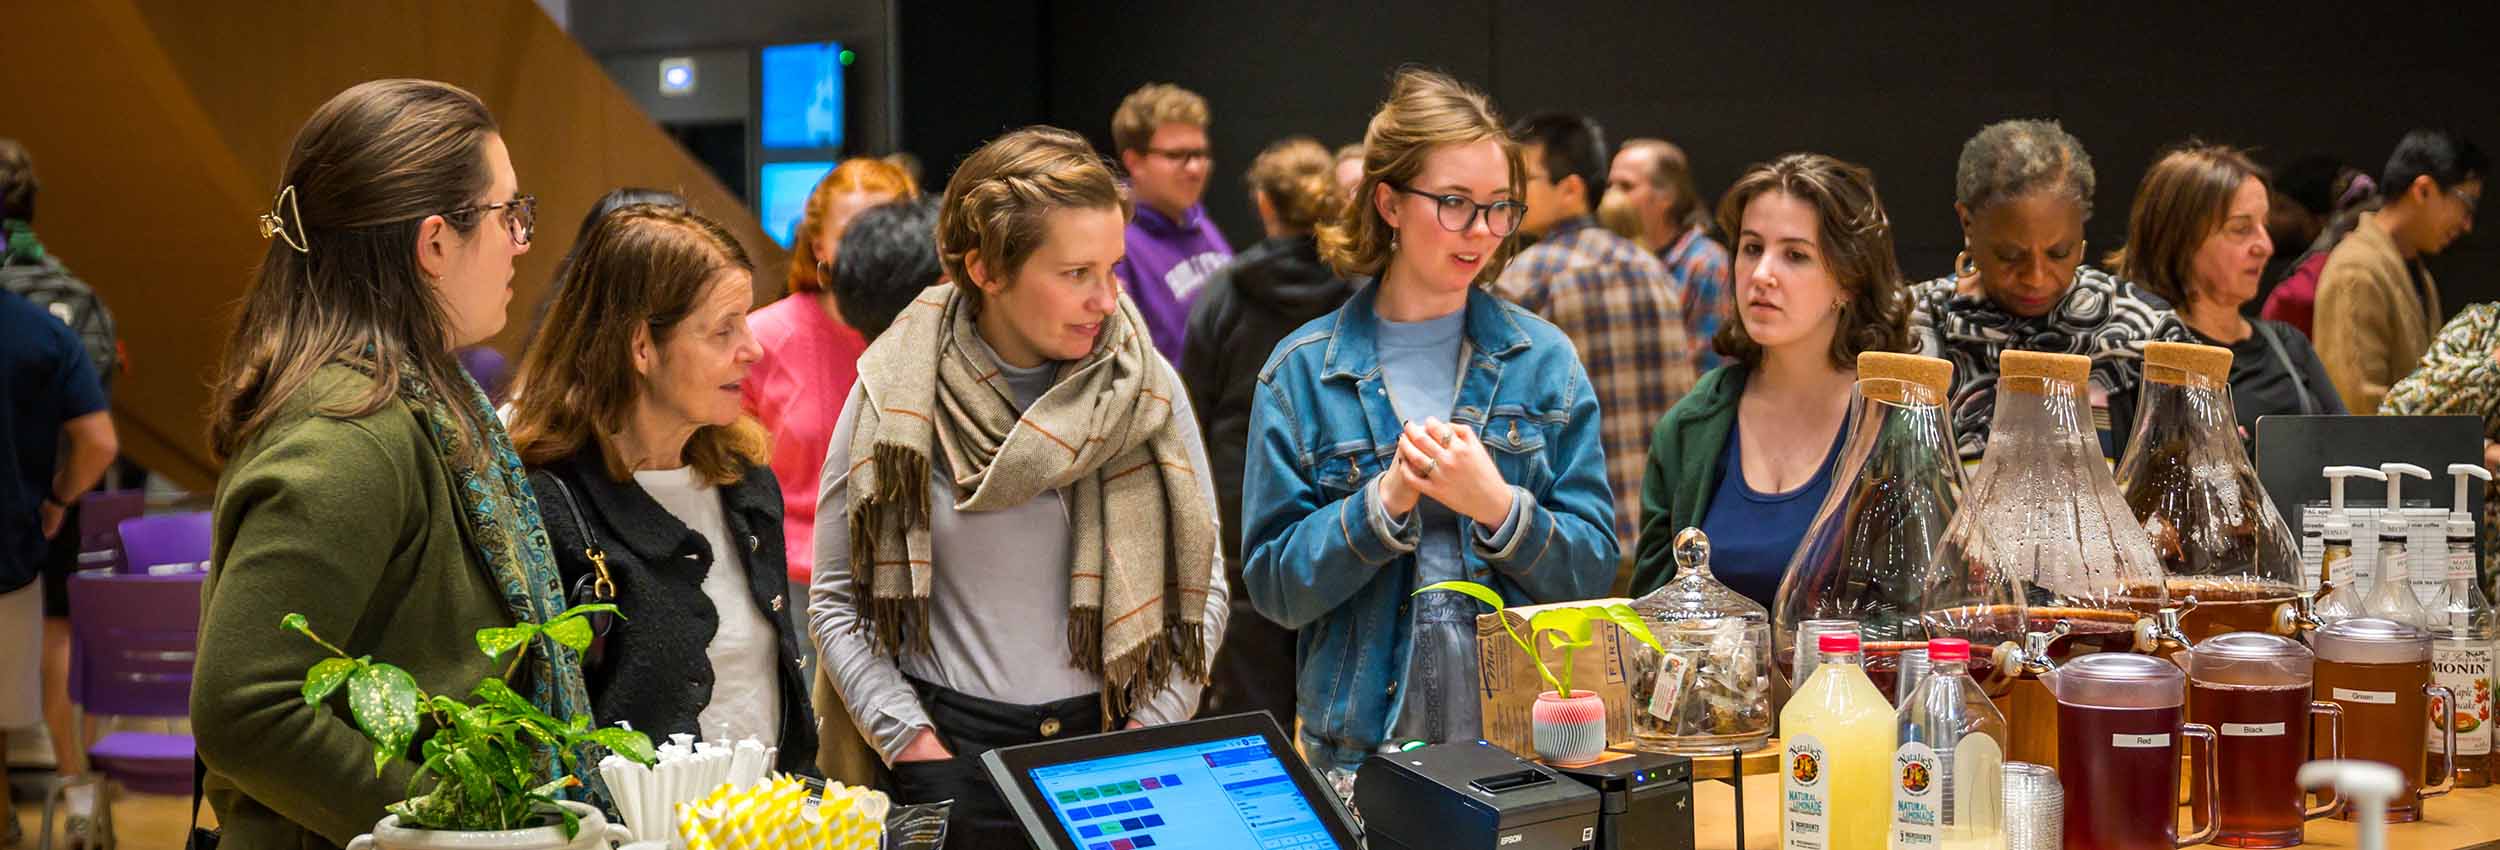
[(367, 485), (1245, 308), (1016, 538), (1426, 431), (1747, 456), (2023, 190), (2197, 238), (654, 489)]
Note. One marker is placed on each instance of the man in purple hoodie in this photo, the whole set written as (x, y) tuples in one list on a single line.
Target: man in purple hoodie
[(1161, 131)]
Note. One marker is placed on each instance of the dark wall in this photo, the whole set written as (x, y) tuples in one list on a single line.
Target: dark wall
[(1895, 89)]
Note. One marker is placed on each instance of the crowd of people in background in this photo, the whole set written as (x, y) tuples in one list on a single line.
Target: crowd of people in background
[(1043, 455)]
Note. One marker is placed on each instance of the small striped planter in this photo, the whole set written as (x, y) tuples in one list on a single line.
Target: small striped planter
[(1569, 730)]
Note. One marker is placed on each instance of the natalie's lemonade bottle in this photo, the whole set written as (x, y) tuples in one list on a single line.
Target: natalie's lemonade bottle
[(1947, 770), (1836, 760)]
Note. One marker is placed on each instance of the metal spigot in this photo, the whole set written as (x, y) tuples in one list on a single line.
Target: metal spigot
[(2297, 618), (2033, 659), (2161, 634)]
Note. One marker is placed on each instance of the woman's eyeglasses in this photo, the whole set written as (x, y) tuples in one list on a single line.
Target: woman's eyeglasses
[(1458, 212), (520, 216)]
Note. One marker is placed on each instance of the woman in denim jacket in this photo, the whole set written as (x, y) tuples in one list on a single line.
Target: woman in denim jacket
[(1426, 431)]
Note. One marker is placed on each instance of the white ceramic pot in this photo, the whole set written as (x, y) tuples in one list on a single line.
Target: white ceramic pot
[(596, 834)]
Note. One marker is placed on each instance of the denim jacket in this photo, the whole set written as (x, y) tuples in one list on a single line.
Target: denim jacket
[(1319, 559)]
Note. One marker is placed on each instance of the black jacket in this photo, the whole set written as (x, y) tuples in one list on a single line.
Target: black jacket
[(651, 670), (1247, 308)]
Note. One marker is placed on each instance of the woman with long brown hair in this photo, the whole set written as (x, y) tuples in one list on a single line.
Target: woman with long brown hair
[(367, 483), (1747, 456), (653, 484)]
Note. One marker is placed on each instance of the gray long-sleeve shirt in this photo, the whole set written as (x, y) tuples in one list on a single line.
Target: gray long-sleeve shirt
[(998, 607)]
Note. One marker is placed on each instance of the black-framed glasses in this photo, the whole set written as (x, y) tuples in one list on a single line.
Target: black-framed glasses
[(520, 216), (2470, 201), (1458, 212), (1184, 157)]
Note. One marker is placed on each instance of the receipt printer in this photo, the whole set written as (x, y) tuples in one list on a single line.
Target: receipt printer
[(1471, 796), (1645, 800)]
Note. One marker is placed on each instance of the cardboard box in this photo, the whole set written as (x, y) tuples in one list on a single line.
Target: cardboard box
[(1511, 684)]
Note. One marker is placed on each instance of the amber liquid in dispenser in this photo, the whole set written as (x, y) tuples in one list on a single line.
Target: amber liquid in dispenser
[(2226, 605), (2385, 712), (2120, 767), (2264, 740)]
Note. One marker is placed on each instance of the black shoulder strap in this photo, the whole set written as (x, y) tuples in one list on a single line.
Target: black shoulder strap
[(199, 839), (2274, 344)]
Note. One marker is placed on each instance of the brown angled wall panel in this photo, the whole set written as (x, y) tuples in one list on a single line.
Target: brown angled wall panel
[(158, 128)]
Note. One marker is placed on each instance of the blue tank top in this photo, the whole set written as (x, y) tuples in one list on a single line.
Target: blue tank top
[(1752, 534)]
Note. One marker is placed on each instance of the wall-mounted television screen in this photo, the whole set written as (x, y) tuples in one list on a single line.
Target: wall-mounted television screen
[(803, 95), (781, 195)]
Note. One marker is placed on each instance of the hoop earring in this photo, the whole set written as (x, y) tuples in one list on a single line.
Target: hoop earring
[(1964, 266)]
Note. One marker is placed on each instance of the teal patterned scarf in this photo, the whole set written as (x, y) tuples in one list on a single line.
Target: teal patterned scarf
[(500, 514)]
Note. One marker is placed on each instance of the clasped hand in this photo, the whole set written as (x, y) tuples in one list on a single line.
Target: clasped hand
[(1446, 463)]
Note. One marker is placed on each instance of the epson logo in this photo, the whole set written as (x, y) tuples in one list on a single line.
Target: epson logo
[(1509, 840)]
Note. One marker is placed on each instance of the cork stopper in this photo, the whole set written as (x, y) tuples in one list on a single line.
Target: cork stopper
[(2172, 362), (1931, 374), (2074, 369)]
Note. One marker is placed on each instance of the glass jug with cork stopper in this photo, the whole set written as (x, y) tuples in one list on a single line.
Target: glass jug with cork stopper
[(2043, 514), (1709, 691), (1870, 552), (2230, 561)]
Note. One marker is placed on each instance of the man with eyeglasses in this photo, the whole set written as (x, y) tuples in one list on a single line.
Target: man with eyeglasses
[(1161, 131), (1614, 300), (2377, 305)]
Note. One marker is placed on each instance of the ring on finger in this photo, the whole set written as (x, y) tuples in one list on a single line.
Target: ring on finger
[(1431, 465)]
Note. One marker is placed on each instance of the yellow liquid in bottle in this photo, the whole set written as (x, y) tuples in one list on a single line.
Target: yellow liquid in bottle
[(1837, 739)]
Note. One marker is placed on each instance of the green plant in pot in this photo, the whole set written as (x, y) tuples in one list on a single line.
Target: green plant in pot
[(487, 785), (1568, 726)]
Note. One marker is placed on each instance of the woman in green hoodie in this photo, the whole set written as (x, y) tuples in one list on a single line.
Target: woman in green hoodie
[(1747, 455), (367, 484)]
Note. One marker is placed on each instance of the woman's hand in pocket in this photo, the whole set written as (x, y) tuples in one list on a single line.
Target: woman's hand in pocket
[(924, 746)]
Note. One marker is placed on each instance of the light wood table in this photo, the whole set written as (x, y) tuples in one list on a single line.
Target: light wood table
[(2466, 818)]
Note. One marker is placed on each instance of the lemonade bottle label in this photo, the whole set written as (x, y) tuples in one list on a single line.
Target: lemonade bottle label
[(1805, 795), (1917, 797)]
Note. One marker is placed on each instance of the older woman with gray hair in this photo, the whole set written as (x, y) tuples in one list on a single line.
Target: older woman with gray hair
[(2023, 190)]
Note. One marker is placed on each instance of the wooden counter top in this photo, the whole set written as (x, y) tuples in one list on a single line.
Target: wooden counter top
[(2467, 817)]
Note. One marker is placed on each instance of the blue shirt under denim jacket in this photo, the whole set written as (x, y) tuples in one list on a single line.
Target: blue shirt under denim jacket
[(1320, 555)]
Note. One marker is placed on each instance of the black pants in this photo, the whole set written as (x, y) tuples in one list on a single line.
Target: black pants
[(970, 726)]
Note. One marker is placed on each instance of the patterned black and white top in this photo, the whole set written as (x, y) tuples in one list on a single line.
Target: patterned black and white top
[(2101, 317)]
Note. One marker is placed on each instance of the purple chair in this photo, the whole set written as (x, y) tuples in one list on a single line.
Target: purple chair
[(100, 516), (137, 636), (149, 541)]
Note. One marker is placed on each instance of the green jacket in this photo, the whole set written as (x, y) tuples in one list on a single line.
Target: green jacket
[(350, 522), (1683, 469)]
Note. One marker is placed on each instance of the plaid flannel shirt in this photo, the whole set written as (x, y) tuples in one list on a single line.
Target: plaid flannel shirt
[(1620, 308), (1698, 267)]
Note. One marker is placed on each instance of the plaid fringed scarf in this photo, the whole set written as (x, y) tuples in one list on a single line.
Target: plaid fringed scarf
[(1144, 536)]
